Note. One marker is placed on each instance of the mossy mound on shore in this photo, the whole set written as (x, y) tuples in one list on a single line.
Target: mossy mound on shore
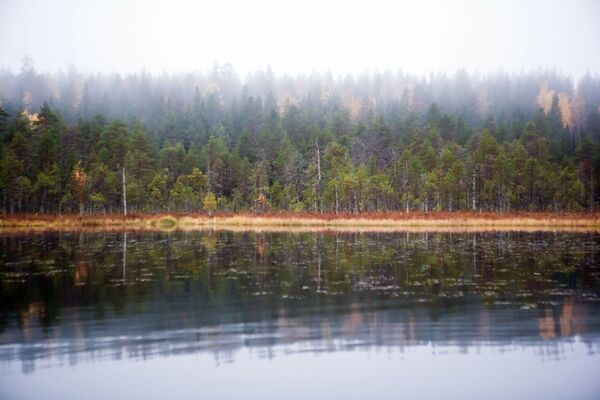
[(165, 222)]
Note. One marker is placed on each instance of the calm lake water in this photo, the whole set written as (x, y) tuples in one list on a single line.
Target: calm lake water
[(228, 315)]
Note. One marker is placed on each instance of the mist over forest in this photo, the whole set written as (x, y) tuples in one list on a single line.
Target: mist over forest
[(317, 142)]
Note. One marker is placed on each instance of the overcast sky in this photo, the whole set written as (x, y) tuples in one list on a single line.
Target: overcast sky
[(298, 37)]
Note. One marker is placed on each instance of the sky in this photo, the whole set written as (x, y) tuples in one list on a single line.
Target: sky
[(297, 37)]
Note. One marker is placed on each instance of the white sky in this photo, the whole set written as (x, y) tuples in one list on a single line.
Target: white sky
[(343, 36)]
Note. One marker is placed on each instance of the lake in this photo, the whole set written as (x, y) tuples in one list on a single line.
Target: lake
[(297, 315)]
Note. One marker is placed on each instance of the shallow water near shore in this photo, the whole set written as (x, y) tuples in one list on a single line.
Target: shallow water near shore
[(222, 314)]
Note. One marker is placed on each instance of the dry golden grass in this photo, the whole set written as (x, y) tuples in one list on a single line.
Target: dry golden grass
[(435, 221)]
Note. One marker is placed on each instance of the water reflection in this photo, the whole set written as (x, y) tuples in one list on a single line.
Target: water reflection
[(81, 297)]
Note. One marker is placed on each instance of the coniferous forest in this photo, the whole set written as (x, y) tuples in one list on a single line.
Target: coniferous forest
[(390, 141)]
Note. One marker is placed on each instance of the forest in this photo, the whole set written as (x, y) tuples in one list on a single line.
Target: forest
[(73, 142)]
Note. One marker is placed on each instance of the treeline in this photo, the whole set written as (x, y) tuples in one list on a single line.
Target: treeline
[(47, 166), (239, 152)]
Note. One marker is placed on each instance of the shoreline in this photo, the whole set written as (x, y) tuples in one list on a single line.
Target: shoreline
[(375, 222)]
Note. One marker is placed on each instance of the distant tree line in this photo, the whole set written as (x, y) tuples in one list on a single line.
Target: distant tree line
[(244, 153)]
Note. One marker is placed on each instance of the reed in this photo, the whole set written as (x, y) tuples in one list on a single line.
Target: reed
[(368, 220)]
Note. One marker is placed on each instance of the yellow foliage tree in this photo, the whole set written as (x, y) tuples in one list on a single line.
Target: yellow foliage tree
[(210, 203)]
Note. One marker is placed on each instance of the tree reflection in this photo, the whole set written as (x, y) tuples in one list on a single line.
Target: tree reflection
[(155, 293)]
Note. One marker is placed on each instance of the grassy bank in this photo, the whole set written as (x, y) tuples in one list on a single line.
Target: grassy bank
[(307, 221)]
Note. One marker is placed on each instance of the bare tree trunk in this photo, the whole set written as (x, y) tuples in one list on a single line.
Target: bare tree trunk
[(439, 193), (124, 194), (318, 188), (405, 185), (395, 180), (474, 198)]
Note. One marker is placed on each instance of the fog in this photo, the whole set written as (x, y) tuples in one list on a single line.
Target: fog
[(299, 37)]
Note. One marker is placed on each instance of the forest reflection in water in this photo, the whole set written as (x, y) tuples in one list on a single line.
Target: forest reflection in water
[(80, 297)]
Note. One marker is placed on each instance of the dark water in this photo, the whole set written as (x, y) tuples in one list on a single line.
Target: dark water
[(299, 315)]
